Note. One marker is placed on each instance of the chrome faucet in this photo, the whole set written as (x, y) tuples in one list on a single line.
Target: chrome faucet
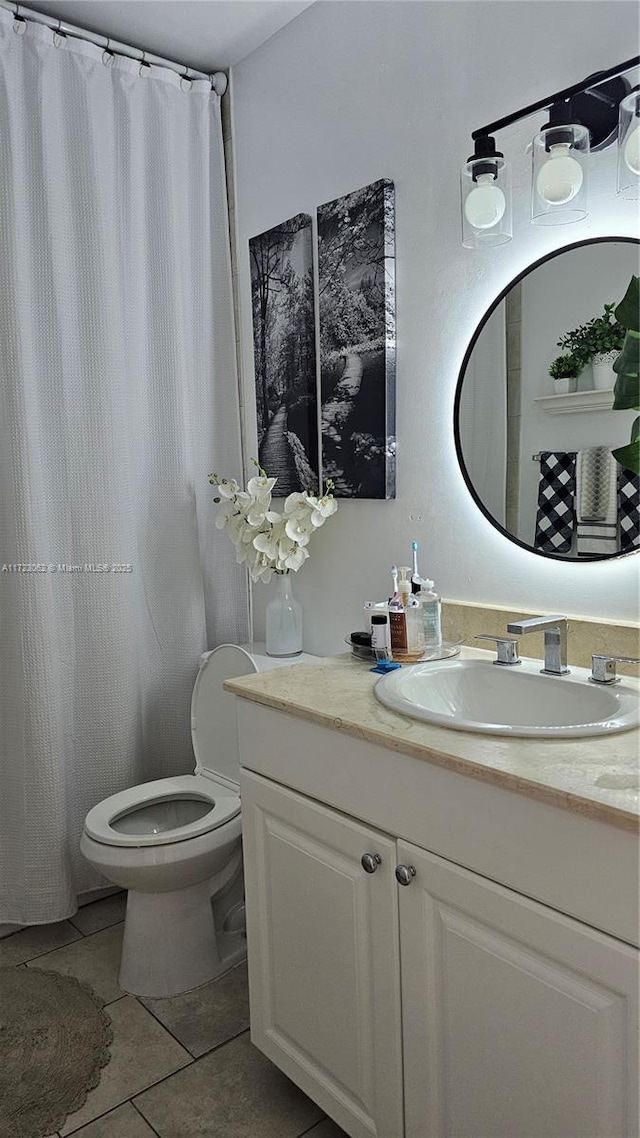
[(506, 647), (555, 640)]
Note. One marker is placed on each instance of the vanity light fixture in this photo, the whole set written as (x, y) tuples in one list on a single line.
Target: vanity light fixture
[(486, 196), (560, 168), (629, 145), (583, 119)]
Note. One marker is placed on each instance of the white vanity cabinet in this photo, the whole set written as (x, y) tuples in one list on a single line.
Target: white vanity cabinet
[(518, 1022), (454, 1003), (494, 996), (324, 956)]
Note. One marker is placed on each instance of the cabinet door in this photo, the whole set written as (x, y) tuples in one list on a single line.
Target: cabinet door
[(518, 1022), (324, 970)]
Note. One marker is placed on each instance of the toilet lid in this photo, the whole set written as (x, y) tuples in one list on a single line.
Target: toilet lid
[(214, 728), (158, 813)]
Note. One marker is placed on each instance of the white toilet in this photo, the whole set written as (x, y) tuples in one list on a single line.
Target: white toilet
[(175, 844)]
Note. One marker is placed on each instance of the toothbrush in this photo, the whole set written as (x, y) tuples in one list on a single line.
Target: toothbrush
[(416, 575)]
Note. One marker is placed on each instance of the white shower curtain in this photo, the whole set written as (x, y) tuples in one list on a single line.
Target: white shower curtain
[(118, 389)]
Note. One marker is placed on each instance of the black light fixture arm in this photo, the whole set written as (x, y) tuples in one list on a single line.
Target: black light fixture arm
[(577, 89)]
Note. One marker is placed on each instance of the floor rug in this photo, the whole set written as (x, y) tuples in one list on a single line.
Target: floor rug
[(54, 1040)]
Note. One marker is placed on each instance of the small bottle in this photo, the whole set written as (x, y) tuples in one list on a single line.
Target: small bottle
[(368, 605), (431, 615), (380, 641), (398, 631)]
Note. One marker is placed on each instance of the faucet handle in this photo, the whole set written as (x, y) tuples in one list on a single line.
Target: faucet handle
[(507, 648), (603, 668)]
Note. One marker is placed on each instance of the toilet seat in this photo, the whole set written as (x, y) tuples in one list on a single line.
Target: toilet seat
[(219, 804), (158, 813)]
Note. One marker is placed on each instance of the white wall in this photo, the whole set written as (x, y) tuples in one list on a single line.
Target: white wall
[(354, 91)]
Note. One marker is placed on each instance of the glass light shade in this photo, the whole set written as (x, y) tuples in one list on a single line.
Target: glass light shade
[(560, 175), (486, 202), (629, 146)]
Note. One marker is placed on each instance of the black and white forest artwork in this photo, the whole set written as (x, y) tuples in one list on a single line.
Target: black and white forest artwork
[(356, 268), (285, 354)]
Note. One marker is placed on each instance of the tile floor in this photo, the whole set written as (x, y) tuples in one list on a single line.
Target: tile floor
[(180, 1068)]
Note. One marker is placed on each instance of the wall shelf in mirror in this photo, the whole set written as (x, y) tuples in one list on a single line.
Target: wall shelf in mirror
[(576, 402)]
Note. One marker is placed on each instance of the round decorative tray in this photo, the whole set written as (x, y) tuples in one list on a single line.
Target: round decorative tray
[(447, 649), (359, 651)]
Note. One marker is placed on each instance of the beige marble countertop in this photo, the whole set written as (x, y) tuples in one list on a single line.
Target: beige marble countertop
[(597, 777)]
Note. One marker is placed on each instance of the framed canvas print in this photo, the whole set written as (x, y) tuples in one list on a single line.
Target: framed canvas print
[(282, 292), (356, 271)]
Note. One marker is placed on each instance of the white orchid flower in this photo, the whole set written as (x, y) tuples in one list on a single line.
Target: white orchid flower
[(260, 487), (296, 558), (267, 543), (256, 516), (265, 540), (321, 509), (296, 505), (327, 506), (285, 547), (228, 488), (291, 555), (298, 530), (261, 568)]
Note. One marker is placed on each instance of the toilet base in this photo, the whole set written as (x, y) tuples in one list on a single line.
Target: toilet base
[(171, 943)]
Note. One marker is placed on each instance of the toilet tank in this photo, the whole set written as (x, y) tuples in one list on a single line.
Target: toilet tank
[(214, 729)]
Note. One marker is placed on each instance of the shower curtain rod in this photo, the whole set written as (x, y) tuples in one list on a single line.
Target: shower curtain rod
[(218, 79)]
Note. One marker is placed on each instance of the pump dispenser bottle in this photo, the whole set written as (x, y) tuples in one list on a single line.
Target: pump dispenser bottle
[(397, 619), (431, 615)]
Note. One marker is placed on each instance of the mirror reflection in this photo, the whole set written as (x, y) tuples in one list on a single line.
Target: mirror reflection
[(533, 418)]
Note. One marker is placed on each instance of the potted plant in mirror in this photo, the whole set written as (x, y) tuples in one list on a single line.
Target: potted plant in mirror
[(597, 342), (627, 369), (564, 371)]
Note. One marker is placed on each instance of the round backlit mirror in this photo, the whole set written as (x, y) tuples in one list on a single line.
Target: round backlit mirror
[(535, 452)]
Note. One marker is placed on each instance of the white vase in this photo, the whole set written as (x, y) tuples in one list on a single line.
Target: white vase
[(604, 376), (284, 621)]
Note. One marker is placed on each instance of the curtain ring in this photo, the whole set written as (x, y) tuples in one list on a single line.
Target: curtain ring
[(185, 81), (59, 38), (107, 55), (19, 22), (144, 66)]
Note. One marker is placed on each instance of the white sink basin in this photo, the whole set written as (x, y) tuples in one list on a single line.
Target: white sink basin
[(476, 695)]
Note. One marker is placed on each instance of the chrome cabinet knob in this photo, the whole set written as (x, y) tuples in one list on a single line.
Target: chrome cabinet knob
[(370, 862), (405, 874)]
